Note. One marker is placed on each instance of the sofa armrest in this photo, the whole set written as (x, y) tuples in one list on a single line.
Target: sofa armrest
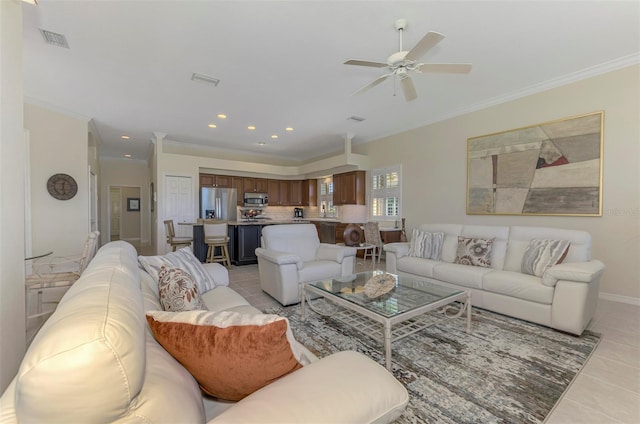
[(583, 272), (331, 252), (325, 392), (400, 249), (279, 258)]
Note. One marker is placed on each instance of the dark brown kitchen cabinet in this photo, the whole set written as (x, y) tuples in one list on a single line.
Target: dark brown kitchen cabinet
[(278, 191), (349, 188), (296, 194), (255, 185), (238, 184), (211, 180), (310, 192)]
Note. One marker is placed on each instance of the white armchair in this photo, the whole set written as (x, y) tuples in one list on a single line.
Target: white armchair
[(292, 254)]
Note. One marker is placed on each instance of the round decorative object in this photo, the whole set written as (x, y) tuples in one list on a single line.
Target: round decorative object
[(62, 186), (379, 284), (353, 235)]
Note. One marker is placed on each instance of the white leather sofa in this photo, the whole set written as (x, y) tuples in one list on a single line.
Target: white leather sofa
[(564, 298), (96, 360), (292, 254)]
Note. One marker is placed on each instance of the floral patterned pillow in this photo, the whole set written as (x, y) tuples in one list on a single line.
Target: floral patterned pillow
[(474, 251), (178, 290)]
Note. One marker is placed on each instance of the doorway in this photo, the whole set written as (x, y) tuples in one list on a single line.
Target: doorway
[(125, 222)]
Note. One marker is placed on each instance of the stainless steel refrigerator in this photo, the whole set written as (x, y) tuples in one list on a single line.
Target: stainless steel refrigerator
[(218, 203)]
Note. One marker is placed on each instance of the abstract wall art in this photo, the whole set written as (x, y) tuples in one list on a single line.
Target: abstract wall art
[(554, 168)]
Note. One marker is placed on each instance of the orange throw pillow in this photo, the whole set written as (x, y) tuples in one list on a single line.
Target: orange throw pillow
[(231, 355)]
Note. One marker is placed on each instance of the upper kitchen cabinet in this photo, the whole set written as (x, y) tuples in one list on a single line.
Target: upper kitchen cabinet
[(349, 188), (278, 191), (255, 185), (210, 180), (238, 184), (296, 193)]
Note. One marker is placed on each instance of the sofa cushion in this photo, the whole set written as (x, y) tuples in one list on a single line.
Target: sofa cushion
[(519, 238), (425, 244), (223, 298), (318, 270), (462, 275), (541, 254), (474, 252), (516, 284), (417, 266), (231, 355), (181, 258), (178, 292)]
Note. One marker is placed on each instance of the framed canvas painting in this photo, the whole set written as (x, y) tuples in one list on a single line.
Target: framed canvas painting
[(553, 168)]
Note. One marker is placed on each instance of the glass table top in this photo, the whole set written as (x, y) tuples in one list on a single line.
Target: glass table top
[(408, 293)]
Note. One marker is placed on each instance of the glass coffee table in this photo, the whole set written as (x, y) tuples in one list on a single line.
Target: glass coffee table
[(402, 311)]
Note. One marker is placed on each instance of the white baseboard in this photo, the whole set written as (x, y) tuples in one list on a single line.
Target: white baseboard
[(619, 298)]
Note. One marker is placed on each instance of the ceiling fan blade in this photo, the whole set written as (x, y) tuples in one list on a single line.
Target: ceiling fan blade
[(424, 45), (408, 89), (451, 68), (371, 63), (371, 84)]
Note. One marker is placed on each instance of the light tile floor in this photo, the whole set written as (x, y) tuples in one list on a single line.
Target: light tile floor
[(607, 390)]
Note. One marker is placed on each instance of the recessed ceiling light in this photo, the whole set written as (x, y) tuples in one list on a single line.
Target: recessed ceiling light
[(289, 129), (274, 136), (261, 143), (222, 116), (127, 156), (213, 126), (125, 137), (251, 127)]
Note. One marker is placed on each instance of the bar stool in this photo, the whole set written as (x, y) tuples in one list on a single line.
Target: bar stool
[(372, 236), (216, 236), (172, 240)]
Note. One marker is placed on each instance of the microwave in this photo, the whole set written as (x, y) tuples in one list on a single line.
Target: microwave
[(256, 199)]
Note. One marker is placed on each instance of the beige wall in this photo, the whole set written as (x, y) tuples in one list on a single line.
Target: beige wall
[(12, 180), (126, 173), (60, 226), (130, 227), (434, 168)]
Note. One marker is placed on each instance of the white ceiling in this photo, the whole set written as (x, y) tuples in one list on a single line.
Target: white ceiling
[(280, 63)]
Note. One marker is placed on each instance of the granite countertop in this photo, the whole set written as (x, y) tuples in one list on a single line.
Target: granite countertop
[(269, 222)]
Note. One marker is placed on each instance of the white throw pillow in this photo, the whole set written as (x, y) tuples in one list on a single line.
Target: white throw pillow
[(542, 254), (426, 245), (183, 259)]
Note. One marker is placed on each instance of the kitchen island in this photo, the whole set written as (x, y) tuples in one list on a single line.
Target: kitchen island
[(244, 238)]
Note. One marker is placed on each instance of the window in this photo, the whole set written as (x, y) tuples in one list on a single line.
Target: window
[(386, 193), (325, 197)]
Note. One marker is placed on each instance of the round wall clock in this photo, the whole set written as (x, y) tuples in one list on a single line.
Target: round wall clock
[(62, 186)]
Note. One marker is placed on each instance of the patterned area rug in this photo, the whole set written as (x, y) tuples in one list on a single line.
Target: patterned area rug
[(505, 371)]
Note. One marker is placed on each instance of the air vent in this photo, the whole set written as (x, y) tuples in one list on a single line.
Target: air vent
[(54, 39), (205, 78), (355, 118)]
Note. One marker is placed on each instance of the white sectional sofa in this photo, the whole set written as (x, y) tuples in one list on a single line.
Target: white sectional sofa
[(564, 297), (96, 360)]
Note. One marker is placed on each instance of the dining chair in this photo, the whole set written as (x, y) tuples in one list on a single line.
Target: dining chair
[(57, 272), (172, 240), (372, 236)]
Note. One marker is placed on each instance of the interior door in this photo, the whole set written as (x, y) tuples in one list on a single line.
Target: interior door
[(179, 204)]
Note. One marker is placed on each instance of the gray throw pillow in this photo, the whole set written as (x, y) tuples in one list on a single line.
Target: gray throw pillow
[(425, 244), (183, 259), (542, 254)]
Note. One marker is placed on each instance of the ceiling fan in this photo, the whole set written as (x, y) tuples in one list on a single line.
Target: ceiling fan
[(402, 63)]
